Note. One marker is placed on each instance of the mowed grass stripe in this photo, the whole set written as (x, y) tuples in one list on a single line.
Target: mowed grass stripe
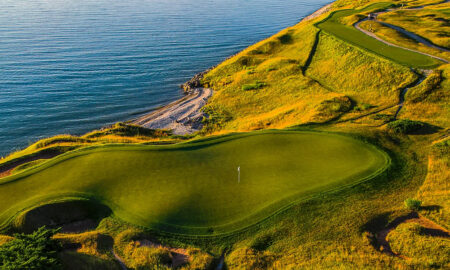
[(351, 35), (192, 188)]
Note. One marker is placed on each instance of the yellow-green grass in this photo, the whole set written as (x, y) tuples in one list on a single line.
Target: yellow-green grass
[(351, 35), (423, 250), (362, 76), (405, 3), (434, 192), (430, 23), (193, 188), (286, 98), (5, 239), (393, 36), (429, 101), (306, 80)]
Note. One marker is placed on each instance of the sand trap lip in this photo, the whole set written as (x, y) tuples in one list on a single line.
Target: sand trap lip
[(182, 116)]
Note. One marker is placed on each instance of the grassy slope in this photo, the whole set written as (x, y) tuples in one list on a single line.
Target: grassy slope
[(429, 101), (291, 97), (434, 191), (153, 185)]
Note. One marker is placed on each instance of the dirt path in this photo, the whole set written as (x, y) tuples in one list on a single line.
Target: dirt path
[(431, 228), (405, 90), (414, 36), (182, 116), (403, 31), (119, 260), (357, 26)]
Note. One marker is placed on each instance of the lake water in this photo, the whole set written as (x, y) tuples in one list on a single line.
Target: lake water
[(71, 66)]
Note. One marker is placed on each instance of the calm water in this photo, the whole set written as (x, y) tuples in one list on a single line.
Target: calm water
[(70, 66)]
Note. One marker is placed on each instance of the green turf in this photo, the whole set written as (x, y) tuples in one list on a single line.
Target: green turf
[(192, 188), (355, 37)]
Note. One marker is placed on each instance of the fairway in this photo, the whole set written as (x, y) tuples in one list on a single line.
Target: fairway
[(192, 188), (353, 36)]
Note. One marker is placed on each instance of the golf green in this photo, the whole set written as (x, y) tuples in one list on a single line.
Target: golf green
[(193, 188)]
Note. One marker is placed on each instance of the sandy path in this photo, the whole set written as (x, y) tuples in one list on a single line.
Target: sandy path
[(357, 26), (403, 31), (183, 116)]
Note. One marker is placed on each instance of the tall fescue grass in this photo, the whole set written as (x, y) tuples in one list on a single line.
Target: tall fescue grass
[(435, 192), (423, 250), (428, 102), (395, 37), (430, 23)]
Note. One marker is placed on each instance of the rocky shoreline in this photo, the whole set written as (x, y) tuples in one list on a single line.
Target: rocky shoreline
[(195, 82)]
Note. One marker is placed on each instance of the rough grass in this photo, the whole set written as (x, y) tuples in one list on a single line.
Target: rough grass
[(428, 102), (5, 239), (278, 168), (434, 192), (431, 23), (395, 37), (363, 77), (351, 35), (286, 98), (425, 251)]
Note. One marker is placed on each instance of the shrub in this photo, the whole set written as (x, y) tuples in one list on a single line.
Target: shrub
[(31, 251), (215, 119), (262, 242), (405, 126), (384, 117), (253, 86), (413, 204), (146, 257)]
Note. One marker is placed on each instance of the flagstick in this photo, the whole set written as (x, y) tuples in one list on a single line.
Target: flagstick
[(239, 174)]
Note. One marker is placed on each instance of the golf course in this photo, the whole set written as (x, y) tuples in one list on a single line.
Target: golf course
[(324, 146), (194, 188)]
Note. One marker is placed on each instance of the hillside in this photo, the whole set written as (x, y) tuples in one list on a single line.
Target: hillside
[(357, 108)]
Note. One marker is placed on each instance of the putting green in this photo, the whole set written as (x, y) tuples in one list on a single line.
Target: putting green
[(192, 188)]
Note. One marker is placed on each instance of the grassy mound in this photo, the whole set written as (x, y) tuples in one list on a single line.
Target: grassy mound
[(424, 249), (193, 187)]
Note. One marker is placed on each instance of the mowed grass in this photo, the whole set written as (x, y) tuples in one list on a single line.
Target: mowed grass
[(353, 36), (192, 188)]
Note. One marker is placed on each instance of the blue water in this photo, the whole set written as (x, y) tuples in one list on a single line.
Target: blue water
[(71, 66)]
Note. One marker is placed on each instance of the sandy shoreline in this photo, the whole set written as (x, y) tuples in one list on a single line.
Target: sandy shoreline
[(183, 116)]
